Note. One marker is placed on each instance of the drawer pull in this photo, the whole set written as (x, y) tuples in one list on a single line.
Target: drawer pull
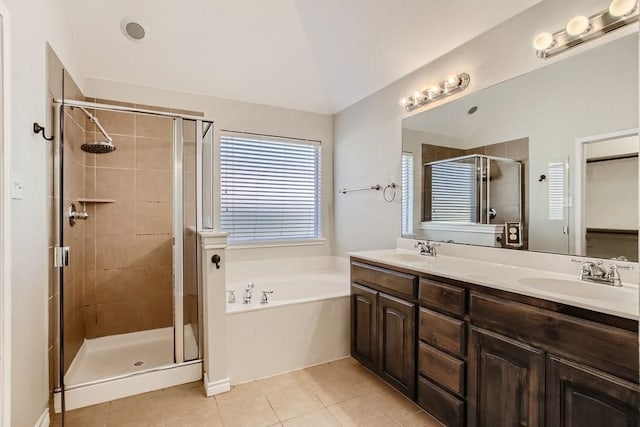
[(445, 293)]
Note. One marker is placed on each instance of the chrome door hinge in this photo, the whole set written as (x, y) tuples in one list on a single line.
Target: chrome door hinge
[(61, 256)]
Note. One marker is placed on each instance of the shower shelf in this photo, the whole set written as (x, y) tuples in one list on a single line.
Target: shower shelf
[(85, 200)]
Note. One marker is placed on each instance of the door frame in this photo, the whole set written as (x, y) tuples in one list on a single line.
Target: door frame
[(5, 218), (580, 173)]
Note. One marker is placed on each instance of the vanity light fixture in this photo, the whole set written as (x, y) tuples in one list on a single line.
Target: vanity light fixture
[(452, 84), (581, 29)]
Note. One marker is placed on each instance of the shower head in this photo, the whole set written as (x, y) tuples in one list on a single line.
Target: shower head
[(98, 147)]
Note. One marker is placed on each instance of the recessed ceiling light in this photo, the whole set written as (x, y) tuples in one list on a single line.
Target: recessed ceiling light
[(133, 29)]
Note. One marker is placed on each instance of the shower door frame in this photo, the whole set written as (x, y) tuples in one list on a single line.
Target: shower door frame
[(177, 230), (5, 219)]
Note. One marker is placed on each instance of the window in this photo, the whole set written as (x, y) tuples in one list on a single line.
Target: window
[(407, 192), (270, 188)]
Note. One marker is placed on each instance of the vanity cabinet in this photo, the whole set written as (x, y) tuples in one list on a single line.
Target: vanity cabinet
[(364, 325), (396, 332), (506, 381), (383, 317), (580, 396), (482, 357), (442, 350)]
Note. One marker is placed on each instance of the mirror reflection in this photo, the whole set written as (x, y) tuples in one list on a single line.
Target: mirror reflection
[(547, 161)]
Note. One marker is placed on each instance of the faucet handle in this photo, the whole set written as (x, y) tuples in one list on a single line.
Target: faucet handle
[(250, 285), (265, 297), (232, 296), (419, 243)]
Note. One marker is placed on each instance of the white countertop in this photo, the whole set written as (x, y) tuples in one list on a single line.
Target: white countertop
[(562, 288)]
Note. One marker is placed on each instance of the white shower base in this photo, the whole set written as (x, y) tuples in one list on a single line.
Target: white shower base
[(105, 368)]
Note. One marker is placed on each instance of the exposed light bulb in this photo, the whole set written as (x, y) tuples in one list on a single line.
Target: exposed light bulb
[(619, 8), (404, 102), (578, 26), (434, 91), (452, 81), (417, 96), (543, 41)]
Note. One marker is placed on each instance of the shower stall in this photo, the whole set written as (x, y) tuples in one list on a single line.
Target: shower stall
[(472, 194), (132, 189)]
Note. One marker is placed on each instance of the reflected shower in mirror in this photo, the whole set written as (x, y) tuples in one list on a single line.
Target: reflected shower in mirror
[(498, 167)]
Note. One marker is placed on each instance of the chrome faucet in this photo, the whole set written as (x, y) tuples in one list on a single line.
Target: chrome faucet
[(265, 297), (427, 248), (248, 295), (595, 271)]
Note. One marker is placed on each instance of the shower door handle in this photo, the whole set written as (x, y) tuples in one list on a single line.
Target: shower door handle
[(216, 260)]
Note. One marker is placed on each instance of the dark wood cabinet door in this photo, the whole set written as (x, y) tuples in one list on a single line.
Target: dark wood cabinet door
[(506, 382), (580, 396), (364, 326), (397, 335)]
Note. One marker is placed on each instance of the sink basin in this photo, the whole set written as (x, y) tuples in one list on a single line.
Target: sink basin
[(399, 257), (574, 288)]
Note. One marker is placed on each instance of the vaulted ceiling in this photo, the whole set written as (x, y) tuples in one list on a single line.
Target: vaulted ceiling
[(319, 56)]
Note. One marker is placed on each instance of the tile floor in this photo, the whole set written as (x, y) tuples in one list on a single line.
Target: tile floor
[(340, 393)]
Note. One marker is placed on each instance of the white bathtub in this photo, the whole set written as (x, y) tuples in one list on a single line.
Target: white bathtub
[(306, 321), (293, 288)]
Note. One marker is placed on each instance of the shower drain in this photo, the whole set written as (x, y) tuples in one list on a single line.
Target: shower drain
[(139, 363)]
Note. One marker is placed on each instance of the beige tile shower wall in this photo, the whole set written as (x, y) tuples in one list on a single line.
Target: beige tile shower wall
[(128, 267)]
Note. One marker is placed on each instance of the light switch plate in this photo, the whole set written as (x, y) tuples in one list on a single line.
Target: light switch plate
[(16, 189)]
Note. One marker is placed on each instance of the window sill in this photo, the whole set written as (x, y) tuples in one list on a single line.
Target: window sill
[(276, 244)]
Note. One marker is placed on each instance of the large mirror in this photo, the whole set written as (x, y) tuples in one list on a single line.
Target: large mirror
[(547, 161)]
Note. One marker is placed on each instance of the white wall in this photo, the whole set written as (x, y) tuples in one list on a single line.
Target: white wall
[(367, 135), (612, 183), (244, 117), (34, 23), (611, 194)]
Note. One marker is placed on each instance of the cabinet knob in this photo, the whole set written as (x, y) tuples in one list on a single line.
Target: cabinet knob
[(445, 293)]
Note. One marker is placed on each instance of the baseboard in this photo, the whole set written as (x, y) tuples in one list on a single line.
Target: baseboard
[(44, 420), (216, 387)]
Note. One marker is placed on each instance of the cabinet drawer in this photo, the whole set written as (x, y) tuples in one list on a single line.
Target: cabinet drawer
[(604, 347), (394, 282), (442, 405), (443, 332), (440, 367), (442, 297)]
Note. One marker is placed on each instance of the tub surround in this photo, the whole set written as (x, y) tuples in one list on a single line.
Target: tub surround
[(305, 323), (511, 275)]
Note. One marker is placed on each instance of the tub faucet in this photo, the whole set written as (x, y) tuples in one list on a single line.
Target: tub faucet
[(248, 293)]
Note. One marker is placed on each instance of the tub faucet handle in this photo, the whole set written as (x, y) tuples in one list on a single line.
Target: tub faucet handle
[(265, 297), (232, 296)]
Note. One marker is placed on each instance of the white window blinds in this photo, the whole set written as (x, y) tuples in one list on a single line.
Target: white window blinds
[(453, 192), (270, 188), (556, 191), (407, 193)]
